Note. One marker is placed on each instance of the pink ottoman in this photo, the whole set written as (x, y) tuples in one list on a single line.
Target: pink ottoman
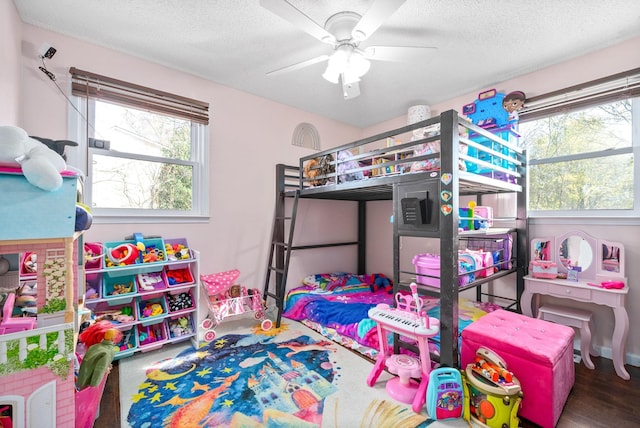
[(538, 352)]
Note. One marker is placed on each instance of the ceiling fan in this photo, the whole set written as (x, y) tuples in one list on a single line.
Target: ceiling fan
[(344, 31)]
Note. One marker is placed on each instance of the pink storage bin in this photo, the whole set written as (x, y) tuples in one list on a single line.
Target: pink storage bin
[(151, 337), (93, 255), (543, 269), (427, 264), (428, 269)]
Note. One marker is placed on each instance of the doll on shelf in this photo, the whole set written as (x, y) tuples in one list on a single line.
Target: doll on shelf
[(99, 340)]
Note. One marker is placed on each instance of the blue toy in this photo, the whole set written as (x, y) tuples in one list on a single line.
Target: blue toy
[(445, 394)]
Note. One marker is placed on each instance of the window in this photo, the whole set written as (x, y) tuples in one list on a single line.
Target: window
[(583, 146), (146, 151)]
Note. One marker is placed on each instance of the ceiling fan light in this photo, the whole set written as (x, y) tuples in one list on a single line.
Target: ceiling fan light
[(331, 74), (349, 77), (358, 64)]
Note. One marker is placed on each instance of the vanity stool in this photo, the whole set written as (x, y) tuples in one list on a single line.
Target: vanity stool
[(572, 317), (539, 353)]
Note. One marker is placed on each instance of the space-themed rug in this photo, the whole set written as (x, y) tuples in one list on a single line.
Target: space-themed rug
[(286, 377)]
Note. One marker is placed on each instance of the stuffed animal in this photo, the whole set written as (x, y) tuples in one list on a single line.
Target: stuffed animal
[(40, 165)]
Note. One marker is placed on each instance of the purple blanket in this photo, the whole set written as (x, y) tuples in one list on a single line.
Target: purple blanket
[(343, 309)]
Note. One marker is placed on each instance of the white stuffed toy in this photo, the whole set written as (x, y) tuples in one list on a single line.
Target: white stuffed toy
[(41, 166)]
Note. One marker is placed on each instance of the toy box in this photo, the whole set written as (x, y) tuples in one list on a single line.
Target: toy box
[(180, 300), (92, 255), (151, 282), (93, 287), (178, 275), (151, 310), (128, 258), (180, 326), (543, 269), (428, 269), (177, 249), (118, 290), (151, 337), (128, 345), (40, 214), (121, 316)]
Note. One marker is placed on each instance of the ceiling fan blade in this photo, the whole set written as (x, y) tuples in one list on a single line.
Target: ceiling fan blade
[(299, 65), (396, 53), (374, 17), (288, 12)]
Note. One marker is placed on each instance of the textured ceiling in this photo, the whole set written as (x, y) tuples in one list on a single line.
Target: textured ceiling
[(237, 42)]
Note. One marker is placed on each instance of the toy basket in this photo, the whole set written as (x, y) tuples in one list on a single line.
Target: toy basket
[(219, 283)]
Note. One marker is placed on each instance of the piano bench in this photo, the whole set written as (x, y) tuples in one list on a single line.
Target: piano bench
[(539, 353)]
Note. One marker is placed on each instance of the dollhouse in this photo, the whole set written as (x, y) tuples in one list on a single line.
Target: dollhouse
[(37, 386)]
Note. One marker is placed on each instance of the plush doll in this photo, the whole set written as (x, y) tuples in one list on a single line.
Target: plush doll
[(99, 340), (40, 165)]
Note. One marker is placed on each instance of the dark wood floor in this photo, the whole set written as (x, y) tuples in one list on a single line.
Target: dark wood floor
[(599, 399)]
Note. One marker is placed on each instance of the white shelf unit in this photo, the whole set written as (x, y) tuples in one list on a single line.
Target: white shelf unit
[(136, 332)]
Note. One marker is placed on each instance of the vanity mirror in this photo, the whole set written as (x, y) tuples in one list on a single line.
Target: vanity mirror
[(610, 258), (598, 259), (542, 248), (577, 249)]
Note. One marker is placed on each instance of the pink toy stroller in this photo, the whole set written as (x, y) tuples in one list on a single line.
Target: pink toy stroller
[(226, 298)]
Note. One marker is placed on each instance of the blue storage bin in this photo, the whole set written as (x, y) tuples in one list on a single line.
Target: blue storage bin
[(119, 290), (143, 303), (152, 259)]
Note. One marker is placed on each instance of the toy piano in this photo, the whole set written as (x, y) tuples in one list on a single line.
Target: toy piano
[(409, 319)]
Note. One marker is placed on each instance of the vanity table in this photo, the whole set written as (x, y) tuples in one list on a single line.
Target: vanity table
[(596, 262)]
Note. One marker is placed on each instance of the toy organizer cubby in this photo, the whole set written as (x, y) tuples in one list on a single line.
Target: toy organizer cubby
[(151, 296)]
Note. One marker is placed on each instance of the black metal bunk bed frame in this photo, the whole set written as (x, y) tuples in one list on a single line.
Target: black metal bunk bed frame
[(292, 184)]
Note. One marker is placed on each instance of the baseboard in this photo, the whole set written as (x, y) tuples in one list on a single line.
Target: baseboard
[(631, 359)]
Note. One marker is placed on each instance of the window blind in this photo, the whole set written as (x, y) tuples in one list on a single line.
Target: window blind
[(92, 85), (601, 91)]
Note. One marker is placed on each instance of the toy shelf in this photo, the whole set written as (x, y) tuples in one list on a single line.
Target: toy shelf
[(170, 287)]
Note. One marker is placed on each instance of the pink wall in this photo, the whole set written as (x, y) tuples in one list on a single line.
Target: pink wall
[(242, 191), (10, 80)]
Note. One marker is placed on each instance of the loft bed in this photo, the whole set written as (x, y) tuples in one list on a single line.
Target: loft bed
[(424, 168)]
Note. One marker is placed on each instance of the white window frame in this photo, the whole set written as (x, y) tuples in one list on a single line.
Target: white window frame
[(585, 93), (80, 159)]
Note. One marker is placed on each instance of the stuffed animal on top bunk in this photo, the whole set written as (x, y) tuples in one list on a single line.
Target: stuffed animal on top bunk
[(318, 167), (40, 165), (345, 165)]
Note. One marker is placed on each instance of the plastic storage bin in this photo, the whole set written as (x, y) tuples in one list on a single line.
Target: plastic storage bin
[(151, 310), (180, 300), (92, 255), (124, 257), (93, 287), (180, 327), (120, 316), (151, 282), (178, 275), (128, 345), (118, 290), (428, 269), (177, 249), (151, 337)]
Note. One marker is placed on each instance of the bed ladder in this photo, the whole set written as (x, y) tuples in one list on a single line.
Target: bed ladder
[(281, 246)]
